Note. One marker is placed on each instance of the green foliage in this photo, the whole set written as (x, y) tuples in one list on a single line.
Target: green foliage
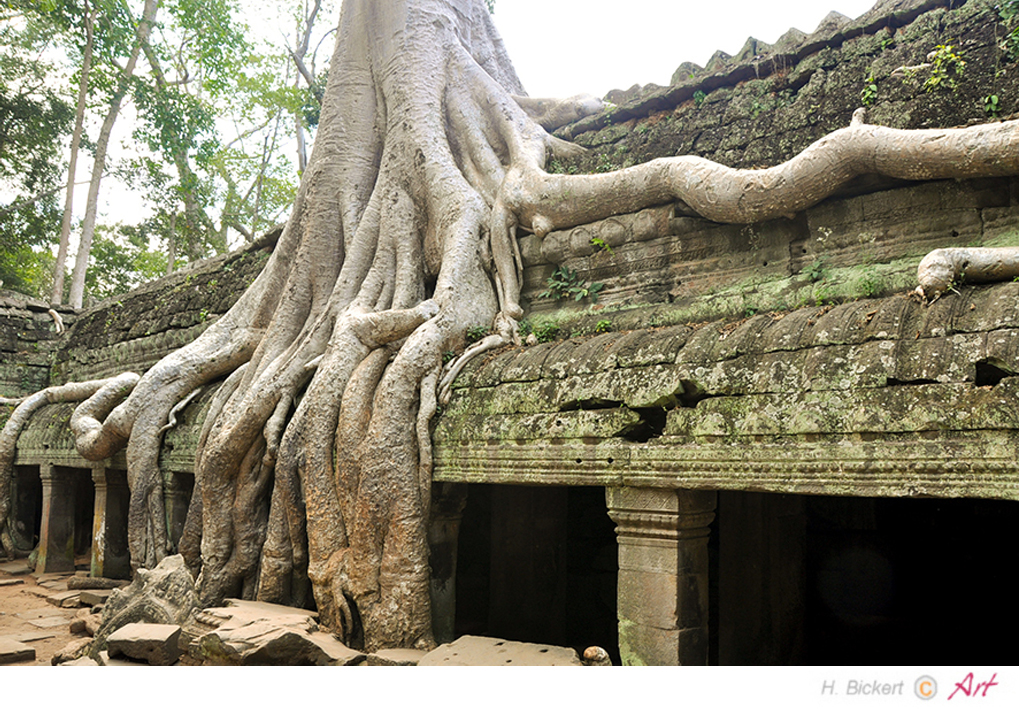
[(448, 356), (603, 326), (698, 98), (121, 260), (546, 332), (992, 106), (566, 283), (946, 66), (869, 94), (599, 243), (474, 334), (870, 284), (490, 4), (1008, 11), (818, 270)]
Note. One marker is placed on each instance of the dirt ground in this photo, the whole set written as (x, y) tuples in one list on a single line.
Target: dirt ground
[(27, 616)]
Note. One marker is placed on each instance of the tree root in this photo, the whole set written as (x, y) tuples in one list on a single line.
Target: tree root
[(99, 395), (941, 269)]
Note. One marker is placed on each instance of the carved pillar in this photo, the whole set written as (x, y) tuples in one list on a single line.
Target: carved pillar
[(662, 593), (110, 555), (56, 533), (177, 489), (448, 501)]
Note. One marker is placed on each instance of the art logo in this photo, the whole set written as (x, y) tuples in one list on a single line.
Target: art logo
[(925, 687), (968, 687)]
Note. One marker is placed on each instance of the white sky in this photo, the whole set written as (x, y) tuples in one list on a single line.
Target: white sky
[(566, 47)]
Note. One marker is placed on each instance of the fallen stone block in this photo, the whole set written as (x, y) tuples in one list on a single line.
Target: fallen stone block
[(16, 567), (12, 651), (106, 661), (73, 650), (49, 622), (154, 643), (11, 582), (263, 643), (470, 651), (80, 662), (65, 599), (94, 597), (399, 657)]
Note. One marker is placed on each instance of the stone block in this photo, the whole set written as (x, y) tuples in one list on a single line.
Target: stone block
[(473, 651), (95, 597), (65, 599), (154, 643), (11, 582), (80, 662), (265, 643), (12, 651), (401, 657)]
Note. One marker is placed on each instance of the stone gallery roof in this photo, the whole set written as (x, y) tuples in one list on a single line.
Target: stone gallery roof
[(877, 397)]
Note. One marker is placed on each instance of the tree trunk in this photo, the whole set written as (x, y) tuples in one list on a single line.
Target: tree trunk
[(102, 145), (313, 467), (57, 295)]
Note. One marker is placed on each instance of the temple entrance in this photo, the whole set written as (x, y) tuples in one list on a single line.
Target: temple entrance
[(832, 581), (538, 564)]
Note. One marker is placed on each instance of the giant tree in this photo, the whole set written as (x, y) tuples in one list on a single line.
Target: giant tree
[(313, 466)]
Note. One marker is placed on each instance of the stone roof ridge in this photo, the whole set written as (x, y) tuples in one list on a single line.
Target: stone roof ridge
[(756, 60)]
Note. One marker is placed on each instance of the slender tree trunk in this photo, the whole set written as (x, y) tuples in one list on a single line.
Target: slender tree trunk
[(102, 145), (171, 255), (57, 296)]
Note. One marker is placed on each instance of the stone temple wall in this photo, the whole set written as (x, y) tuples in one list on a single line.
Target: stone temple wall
[(28, 341)]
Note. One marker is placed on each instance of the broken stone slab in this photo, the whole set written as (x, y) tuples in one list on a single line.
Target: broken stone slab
[(34, 635), (106, 661), (80, 662), (474, 651), (49, 621), (65, 599), (263, 643), (11, 582), (73, 650), (12, 651), (398, 657), (154, 643), (17, 567), (236, 613), (95, 597)]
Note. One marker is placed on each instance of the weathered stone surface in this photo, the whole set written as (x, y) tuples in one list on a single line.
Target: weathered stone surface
[(80, 662), (65, 599), (95, 597), (11, 582), (164, 595), (154, 643), (75, 649), (263, 643), (471, 650), (400, 657), (12, 651)]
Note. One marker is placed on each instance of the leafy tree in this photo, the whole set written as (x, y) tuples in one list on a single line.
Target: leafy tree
[(34, 117)]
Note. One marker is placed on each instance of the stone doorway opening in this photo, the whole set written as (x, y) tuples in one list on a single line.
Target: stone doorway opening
[(538, 564)]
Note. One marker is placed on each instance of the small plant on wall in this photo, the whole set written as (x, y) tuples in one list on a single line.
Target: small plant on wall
[(565, 283)]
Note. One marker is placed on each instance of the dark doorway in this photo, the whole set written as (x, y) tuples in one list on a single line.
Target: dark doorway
[(538, 564)]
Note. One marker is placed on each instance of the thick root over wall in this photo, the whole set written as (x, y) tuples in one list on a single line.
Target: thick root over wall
[(314, 463)]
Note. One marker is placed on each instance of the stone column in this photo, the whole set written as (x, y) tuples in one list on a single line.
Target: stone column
[(56, 533), (662, 592), (448, 501), (176, 499), (110, 555)]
